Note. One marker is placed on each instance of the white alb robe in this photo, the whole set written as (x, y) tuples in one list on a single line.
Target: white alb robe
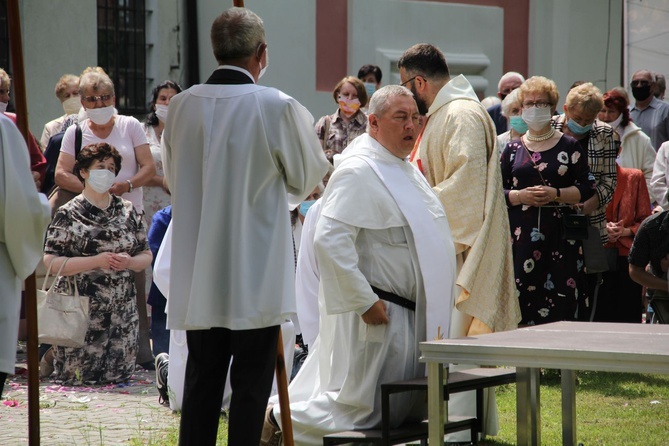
[(231, 154), (362, 238), (24, 216)]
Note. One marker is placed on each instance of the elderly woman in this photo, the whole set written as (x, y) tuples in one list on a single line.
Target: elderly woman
[(512, 110), (103, 240), (543, 173), (636, 151), (582, 105), (67, 92), (127, 135), (337, 130)]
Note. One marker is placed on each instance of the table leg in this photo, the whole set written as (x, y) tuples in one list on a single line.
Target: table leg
[(528, 406), (568, 407), (435, 402)]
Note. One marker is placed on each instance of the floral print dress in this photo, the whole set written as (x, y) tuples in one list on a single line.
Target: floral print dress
[(81, 229), (548, 269)]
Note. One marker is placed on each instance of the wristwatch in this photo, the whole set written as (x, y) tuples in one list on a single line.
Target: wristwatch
[(132, 187), (557, 194)]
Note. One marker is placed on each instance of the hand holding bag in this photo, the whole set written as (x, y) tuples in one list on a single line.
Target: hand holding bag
[(62, 318)]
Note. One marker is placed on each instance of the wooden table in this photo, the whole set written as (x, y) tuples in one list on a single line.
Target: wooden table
[(568, 346)]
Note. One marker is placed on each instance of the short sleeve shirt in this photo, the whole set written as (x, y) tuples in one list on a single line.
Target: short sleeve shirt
[(651, 243), (126, 134)]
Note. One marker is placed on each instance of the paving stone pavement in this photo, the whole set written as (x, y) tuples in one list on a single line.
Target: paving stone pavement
[(94, 415)]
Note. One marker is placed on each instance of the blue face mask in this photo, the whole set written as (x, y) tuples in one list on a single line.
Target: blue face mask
[(578, 129), (370, 87), (518, 124), (304, 207)]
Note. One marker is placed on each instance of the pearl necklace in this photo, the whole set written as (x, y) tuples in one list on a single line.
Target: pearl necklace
[(548, 135)]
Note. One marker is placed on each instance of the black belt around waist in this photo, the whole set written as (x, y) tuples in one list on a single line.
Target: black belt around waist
[(394, 298)]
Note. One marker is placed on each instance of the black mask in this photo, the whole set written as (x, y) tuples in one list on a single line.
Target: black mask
[(641, 93)]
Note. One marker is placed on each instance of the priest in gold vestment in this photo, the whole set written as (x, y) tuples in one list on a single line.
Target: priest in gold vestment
[(457, 153)]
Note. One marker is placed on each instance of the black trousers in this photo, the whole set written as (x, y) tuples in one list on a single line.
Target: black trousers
[(253, 354)]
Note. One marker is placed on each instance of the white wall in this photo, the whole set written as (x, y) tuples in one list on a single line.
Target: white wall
[(379, 31), (568, 42), (470, 36), (647, 38), (59, 37)]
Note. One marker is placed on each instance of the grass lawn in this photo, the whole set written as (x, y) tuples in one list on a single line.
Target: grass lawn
[(612, 409)]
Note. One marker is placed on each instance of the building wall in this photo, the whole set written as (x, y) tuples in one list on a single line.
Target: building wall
[(574, 40), (60, 37), (568, 40)]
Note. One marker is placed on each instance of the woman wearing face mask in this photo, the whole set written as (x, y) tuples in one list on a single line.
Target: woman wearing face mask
[(582, 105), (636, 151), (156, 193), (126, 134), (544, 173), (512, 110), (103, 240), (67, 92), (337, 130)]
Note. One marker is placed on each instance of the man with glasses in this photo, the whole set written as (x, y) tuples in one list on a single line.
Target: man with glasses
[(457, 152), (648, 112)]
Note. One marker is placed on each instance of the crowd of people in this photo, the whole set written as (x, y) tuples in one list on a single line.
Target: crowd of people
[(385, 224)]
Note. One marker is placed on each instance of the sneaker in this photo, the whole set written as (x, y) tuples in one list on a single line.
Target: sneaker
[(162, 362)]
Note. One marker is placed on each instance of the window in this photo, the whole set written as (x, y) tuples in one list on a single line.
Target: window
[(4, 38), (122, 51)]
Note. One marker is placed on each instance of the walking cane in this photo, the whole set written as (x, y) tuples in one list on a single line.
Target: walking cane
[(18, 74), (282, 386)]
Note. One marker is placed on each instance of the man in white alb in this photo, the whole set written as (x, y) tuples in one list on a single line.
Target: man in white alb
[(387, 274), (232, 151)]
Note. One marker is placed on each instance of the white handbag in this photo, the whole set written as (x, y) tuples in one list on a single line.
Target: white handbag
[(62, 318)]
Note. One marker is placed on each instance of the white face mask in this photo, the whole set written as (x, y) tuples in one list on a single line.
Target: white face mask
[(101, 116), (100, 180), (615, 123), (263, 70), (72, 105), (3, 107), (161, 112), (537, 118)]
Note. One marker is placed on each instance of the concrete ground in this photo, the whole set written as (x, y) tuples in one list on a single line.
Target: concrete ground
[(96, 415)]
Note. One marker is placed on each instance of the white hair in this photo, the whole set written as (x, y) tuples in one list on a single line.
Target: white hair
[(509, 100)]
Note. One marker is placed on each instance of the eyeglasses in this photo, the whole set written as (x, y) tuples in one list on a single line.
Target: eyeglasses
[(640, 83), (538, 104), (406, 82), (93, 99)]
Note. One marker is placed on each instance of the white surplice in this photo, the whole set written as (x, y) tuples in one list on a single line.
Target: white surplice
[(231, 154), (24, 216), (363, 237)]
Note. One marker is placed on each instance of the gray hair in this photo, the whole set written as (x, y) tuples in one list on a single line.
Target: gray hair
[(509, 100), (381, 97), (96, 80), (236, 34), (510, 75)]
